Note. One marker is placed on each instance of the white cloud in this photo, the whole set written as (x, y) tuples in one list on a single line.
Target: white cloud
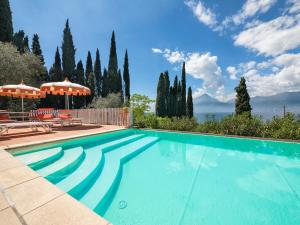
[(277, 75), (272, 38), (204, 15), (251, 8), (156, 50), (203, 66), (295, 6), (232, 72)]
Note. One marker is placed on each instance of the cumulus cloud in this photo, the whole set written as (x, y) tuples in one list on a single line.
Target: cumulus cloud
[(204, 15), (202, 66), (251, 8), (232, 72), (271, 38), (277, 75)]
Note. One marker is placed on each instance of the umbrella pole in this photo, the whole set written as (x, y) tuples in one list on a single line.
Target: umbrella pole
[(66, 101), (22, 108)]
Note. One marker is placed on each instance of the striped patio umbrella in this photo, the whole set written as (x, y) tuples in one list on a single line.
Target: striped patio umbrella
[(66, 88), (20, 91)]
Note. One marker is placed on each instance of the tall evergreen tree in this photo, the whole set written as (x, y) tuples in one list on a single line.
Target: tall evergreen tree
[(79, 100), (36, 47), (167, 91), (18, 41), (242, 101), (161, 97), (183, 91), (171, 102), (126, 78), (178, 101), (105, 86), (6, 25), (68, 53), (175, 94), (113, 67), (90, 77), (80, 73), (26, 44), (189, 104), (120, 86), (56, 74), (98, 73)]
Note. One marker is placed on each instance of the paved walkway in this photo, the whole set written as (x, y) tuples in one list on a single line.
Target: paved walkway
[(18, 137)]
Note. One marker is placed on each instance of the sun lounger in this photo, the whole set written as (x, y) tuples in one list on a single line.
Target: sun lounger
[(4, 117), (47, 126)]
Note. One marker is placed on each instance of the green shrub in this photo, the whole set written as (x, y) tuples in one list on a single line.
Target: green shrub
[(175, 123), (287, 127)]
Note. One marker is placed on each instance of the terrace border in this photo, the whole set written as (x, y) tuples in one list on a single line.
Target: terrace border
[(224, 135), (26, 198)]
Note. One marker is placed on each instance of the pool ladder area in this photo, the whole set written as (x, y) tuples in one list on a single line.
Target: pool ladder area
[(90, 173)]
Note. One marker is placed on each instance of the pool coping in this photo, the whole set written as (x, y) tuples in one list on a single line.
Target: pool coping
[(55, 209), (223, 135)]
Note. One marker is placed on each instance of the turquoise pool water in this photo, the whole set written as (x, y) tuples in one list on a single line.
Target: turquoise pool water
[(137, 177)]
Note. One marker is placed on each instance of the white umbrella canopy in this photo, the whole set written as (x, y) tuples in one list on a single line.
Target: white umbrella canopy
[(66, 88), (20, 91)]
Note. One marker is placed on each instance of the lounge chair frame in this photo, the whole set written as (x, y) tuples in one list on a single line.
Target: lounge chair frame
[(47, 126)]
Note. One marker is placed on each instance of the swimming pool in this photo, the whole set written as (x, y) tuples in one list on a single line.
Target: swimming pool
[(139, 177)]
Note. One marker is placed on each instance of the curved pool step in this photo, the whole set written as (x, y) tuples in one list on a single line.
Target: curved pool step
[(37, 160), (77, 183), (99, 193), (56, 171)]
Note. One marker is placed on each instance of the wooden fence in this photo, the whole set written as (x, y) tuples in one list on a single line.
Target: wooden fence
[(110, 116), (107, 116)]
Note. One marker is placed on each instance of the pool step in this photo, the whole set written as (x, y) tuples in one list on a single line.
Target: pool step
[(37, 160), (71, 159), (98, 194), (77, 183)]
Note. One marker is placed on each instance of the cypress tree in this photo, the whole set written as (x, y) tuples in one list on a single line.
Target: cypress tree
[(175, 91), (80, 73), (26, 44), (183, 91), (98, 73), (120, 86), (113, 67), (178, 101), (89, 77), (18, 41), (171, 102), (161, 97), (167, 91), (6, 25), (68, 53), (126, 78), (189, 104), (79, 100), (242, 101), (56, 74), (105, 88), (36, 47)]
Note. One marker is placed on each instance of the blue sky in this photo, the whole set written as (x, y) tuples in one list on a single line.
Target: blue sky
[(219, 40)]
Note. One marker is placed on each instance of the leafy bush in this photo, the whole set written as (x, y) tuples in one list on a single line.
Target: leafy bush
[(287, 127), (175, 123)]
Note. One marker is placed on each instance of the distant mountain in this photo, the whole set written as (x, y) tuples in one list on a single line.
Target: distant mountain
[(263, 105)]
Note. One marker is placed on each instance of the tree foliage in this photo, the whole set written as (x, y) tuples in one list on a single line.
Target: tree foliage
[(189, 104), (126, 78), (112, 100), (68, 53), (113, 77), (6, 25), (98, 74), (36, 47), (242, 101)]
